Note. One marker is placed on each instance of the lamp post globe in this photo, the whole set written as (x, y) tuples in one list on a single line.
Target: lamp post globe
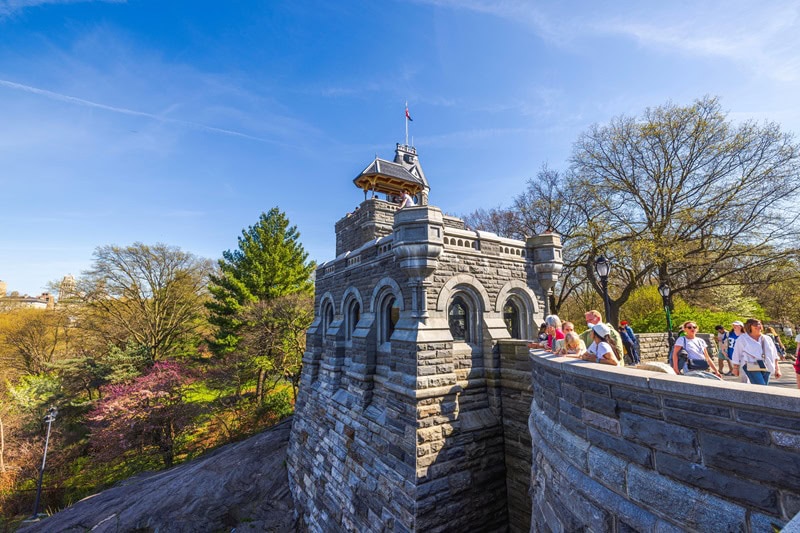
[(602, 267)]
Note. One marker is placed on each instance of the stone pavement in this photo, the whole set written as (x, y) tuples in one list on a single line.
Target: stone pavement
[(787, 379)]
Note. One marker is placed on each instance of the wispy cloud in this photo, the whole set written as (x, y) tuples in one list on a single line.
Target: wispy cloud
[(763, 38), (9, 8), (459, 137), (122, 110)]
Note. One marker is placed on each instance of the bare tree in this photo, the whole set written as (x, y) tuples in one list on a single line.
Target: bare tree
[(150, 295), (683, 196), (31, 339), (546, 204), (502, 221)]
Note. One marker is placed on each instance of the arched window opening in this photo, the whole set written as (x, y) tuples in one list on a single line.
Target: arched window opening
[(459, 320), (327, 318), (390, 314), (353, 316), (511, 316)]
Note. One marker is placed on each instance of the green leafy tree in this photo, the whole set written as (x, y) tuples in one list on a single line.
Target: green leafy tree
[(151, 296), (274, 339), (269, 262)]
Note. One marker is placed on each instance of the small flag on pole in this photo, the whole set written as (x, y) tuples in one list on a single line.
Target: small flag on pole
[(408, 117)]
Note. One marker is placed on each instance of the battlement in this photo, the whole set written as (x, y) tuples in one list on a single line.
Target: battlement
[(371, 220)]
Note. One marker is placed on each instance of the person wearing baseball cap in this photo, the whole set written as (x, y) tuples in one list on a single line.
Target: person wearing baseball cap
[(602, 350), (594, 317), (629, 341), (737, 330)]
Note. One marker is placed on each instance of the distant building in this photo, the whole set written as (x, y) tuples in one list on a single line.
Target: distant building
[(43, 301), (67, 289)]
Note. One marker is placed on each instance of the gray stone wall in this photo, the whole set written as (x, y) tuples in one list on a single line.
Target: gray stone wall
[(517, 394), (655, 347), (415, 432), (371, 220), (628, 450)]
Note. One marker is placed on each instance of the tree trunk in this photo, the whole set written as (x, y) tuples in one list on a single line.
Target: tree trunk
[(613, 318), (2, 447), (262, 376)]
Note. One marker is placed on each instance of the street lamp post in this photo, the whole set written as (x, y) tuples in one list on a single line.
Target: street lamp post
[(51, 416), (664, 291), (602, 268)]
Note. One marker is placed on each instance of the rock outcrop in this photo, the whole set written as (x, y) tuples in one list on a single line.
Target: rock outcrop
[(241, 486)]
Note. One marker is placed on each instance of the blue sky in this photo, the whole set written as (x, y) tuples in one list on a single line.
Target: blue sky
[(180, 122)]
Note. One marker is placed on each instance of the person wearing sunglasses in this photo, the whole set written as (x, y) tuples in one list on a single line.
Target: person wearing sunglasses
[(755, 353), (696, 357)]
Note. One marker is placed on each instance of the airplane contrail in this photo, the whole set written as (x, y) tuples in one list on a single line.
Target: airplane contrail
[(125, 111)]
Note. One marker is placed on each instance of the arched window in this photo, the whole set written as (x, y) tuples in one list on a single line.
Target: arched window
[(389, 315), (511, 315), (327, 318), (353, 316), (459, 320)]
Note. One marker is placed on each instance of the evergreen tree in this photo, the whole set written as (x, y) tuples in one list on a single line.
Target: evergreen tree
[(269, 263)]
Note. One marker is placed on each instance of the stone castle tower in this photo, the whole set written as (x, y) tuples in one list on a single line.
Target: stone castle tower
[(398, 422)]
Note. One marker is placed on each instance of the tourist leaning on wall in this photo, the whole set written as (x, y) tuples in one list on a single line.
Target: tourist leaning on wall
[(691, 352)]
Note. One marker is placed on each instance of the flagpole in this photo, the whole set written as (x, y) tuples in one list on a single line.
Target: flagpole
[(405, 118)]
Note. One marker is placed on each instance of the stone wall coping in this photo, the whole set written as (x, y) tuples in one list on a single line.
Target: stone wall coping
[(483, 236), (743, 394), (365, 246), (466, 233), (428, 214)]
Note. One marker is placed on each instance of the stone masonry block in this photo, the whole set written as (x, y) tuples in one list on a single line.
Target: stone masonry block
[(636, 396), (663, 436), (571, 394), (719, 483), (691, 508), (698, 407), (606, 423), (600, 403), (787, 440), (621, 447), (569, 408), (732, 429), (573, 424), (760, 522), (608, 469), (751, 460), (791, 503), (428, 434), (761, 418)]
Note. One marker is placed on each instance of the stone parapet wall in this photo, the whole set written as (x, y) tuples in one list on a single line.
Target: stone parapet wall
[(628, 450), (370, 220), (655, 347)]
